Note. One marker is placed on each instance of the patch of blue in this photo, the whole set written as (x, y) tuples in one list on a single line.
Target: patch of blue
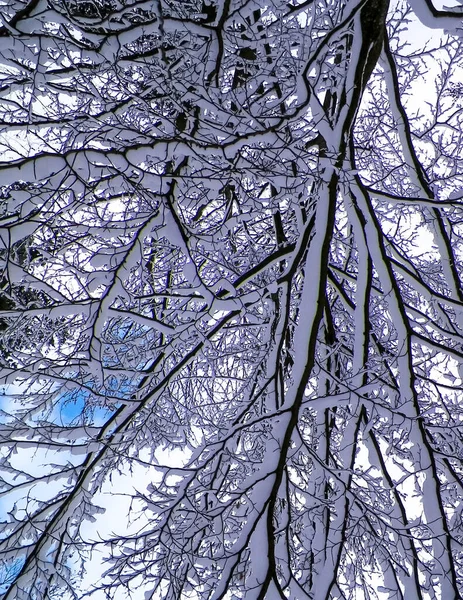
[(76, 406), (8, 574)]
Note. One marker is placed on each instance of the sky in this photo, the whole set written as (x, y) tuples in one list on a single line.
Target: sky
[(114, 497)]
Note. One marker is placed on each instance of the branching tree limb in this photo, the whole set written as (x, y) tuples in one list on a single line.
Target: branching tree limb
[(231, 260)]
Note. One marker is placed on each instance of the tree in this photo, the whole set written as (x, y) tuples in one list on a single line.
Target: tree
[(232, 233)]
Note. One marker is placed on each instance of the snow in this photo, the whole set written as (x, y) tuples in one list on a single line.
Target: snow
[(220, 387), (449, 19)]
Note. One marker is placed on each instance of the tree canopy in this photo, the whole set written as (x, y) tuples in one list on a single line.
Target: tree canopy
[(231, 302)]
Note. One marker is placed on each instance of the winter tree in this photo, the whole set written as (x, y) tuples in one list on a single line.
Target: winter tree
[(231, 300)]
